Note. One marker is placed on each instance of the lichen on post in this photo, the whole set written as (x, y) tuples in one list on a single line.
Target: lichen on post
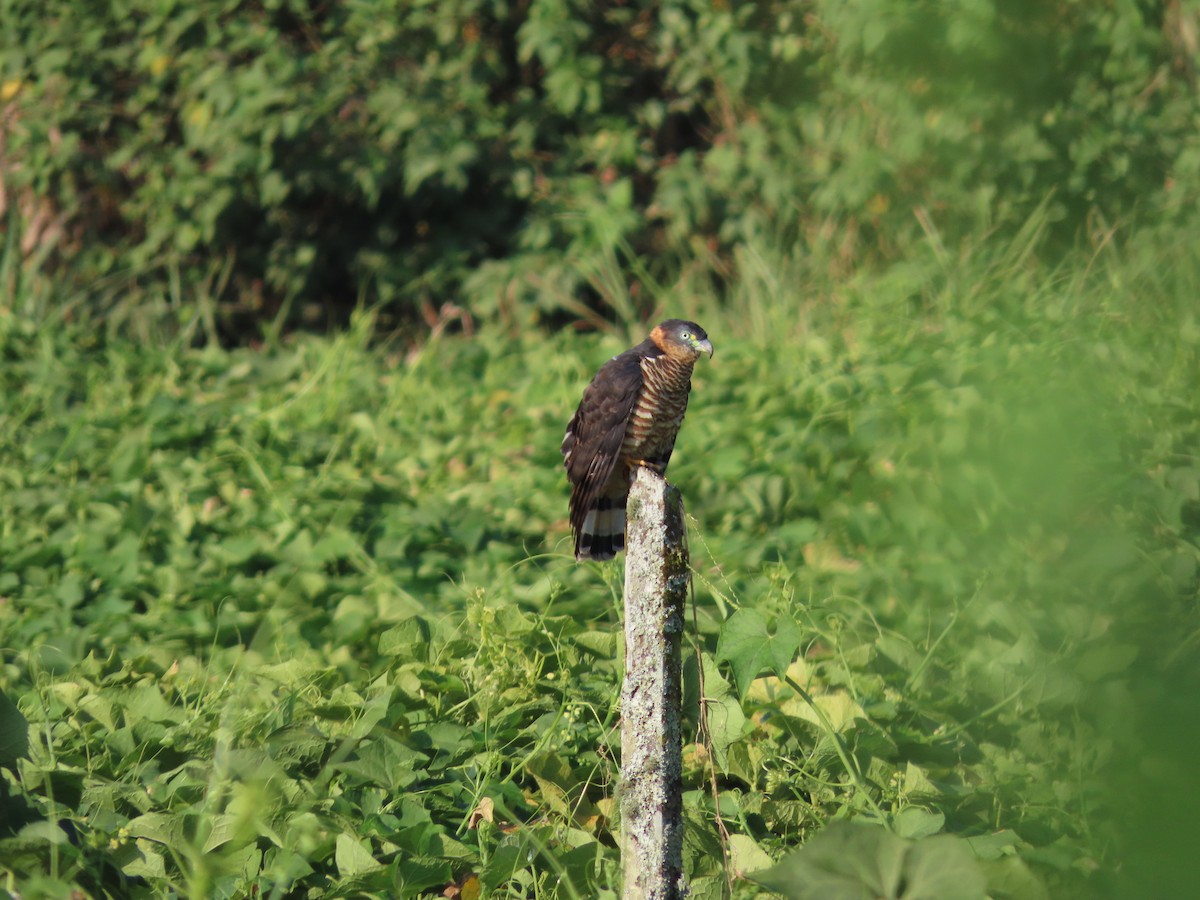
[(656, 579)]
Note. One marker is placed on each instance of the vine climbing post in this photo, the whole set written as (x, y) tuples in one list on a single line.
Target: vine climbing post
[(656, 581)]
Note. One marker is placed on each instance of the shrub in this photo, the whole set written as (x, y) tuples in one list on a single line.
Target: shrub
[(525, 158)]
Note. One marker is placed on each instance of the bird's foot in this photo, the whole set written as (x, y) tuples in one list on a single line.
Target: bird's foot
[(634, 465)]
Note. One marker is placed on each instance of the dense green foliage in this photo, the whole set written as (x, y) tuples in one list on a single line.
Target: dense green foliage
[(299, 617), (524, 158), (304, 618)]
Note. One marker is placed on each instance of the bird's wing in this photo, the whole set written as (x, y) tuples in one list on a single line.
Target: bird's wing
[(594, 436)]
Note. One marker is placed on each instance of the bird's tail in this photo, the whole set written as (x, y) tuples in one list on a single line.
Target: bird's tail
[(602, 534)]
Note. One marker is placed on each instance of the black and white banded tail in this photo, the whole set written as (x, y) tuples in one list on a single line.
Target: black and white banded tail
[(602, 535)]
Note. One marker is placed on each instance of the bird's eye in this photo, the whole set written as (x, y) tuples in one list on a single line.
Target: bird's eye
[(686, 335)]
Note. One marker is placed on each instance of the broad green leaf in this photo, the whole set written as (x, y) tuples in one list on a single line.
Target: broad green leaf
[(146, 703), (602, 644), (916, 823), (100, 708), (410, 639), (749, 647), (709, 887), (838, 708), (416, 875), (502, 865), (917, 783), (1011, 879), (291, 672), (386, 762), (222, 829), (49, 832), (149, 861), (162, 828), (726, 721), (943, 868), (745, 855), (353, 857), (863, 862), (994, 845)]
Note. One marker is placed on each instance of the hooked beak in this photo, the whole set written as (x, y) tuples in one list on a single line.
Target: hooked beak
[(705, 345)]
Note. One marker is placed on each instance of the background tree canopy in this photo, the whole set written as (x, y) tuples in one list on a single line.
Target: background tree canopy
[(538, 156)]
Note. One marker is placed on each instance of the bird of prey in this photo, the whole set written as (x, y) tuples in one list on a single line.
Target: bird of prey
[(628, 417)]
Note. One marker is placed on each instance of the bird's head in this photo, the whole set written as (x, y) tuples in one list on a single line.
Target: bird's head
[(682, 339)]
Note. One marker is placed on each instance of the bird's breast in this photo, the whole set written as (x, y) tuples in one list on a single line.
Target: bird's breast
[(659, 409)]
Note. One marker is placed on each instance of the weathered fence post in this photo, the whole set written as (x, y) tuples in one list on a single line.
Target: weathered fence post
[(656, 580)]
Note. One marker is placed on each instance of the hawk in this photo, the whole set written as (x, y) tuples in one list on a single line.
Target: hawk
[(628, 417)]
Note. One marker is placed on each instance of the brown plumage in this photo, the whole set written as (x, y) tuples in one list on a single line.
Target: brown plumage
[(629, 416)]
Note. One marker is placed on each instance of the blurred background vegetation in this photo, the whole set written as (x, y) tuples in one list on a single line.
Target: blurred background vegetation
[(543, 159), (279, 609)]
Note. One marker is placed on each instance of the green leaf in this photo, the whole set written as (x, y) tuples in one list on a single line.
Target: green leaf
[(943, 868), (848, 861), (994, 845), (409, 640), (353, 857), (162, 828), (385, 762), (1011, 879), (726, 720), (148, 862), (745, 855), (146, 702), (417, 874), (14, 733), (223, 828), (916, 823), (749, 647)]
